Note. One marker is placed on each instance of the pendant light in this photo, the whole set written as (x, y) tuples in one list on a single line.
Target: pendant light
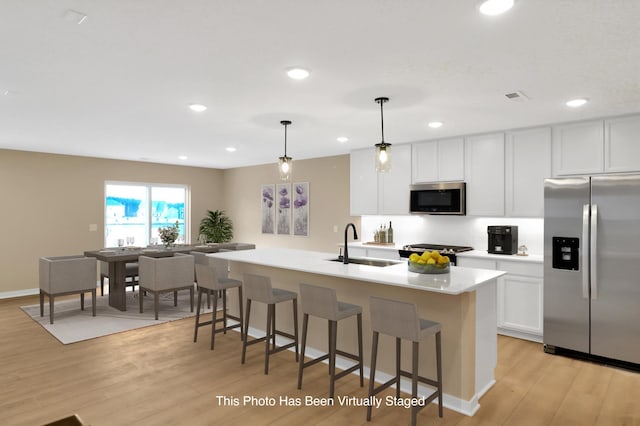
[(383, 149), (285, 163)]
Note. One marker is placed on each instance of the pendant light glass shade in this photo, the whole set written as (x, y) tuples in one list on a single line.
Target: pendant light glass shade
[(284, 167), (383, 157), (285, 163), (383, 149)]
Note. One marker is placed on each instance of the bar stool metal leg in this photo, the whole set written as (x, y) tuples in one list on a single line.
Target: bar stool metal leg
[(214, 318), (305, 324), (246, 330), (372, 372)]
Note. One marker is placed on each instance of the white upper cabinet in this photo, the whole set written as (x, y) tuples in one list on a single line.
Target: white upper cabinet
[(484, 174), (438, 161), (373, 193), (622, 144), (602, 146), (393, 186), (527, 164), (578, 148), (364, 182)]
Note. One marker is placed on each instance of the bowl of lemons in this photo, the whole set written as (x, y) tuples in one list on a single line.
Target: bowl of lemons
[(429, 262)]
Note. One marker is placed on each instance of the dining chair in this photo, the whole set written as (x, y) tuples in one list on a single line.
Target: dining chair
[(163, 275), (62, 275)]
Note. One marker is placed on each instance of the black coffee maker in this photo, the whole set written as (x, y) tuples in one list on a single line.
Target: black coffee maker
[(502, 239)]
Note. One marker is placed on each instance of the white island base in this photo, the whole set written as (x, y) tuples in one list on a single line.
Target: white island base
[(463, 301)]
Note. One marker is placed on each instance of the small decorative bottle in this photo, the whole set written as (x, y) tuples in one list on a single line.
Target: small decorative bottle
[(390, 233), (383, 234)]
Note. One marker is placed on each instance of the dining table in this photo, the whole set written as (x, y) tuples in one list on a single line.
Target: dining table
[(118, 257)]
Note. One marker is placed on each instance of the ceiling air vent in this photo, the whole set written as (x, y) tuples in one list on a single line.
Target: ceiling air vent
[(517, 96)]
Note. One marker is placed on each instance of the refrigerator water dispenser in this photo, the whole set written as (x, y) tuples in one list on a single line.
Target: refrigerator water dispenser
[(566, 253)]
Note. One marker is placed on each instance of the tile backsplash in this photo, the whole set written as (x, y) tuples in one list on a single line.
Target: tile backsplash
[(453, 230)]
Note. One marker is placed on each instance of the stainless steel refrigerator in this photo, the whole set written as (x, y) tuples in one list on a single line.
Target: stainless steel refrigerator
[(592, 266)]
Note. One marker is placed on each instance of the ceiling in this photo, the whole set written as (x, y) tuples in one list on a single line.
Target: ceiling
[(119, 84)]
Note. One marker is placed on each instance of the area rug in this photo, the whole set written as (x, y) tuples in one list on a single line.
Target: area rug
[(74, 325)]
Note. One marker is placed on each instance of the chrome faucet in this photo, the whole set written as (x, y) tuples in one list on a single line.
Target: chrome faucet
[(345, 258)]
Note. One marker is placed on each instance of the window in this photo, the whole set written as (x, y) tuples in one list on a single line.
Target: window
[(135, 211)]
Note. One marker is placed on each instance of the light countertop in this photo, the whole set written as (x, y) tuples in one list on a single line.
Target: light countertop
[(459, 280)]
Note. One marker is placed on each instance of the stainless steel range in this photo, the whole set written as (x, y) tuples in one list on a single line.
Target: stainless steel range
[(448, 250)]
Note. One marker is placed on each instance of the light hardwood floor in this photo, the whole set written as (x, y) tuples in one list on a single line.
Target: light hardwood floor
[(158, 376)]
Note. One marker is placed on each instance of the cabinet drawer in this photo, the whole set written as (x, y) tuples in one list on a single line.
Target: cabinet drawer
[(521, 268)]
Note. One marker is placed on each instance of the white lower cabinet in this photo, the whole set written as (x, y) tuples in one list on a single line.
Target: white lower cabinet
[(519, 296), (520, 300)]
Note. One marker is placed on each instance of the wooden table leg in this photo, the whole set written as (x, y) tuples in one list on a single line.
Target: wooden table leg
[(117, 285)]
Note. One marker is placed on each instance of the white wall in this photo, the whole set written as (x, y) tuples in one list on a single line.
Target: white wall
[(453, 230)]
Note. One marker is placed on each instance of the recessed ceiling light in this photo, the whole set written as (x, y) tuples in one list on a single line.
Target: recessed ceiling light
[(342, 139), (435, 124), (495, 7), (197, 107), (577, 102), (298, 73), (230, 149), (183, 157)]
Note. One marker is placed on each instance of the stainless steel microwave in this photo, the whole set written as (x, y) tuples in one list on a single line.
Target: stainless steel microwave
[(439, 198)]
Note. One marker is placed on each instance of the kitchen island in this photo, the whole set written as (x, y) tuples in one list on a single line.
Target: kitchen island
[(463, 301)]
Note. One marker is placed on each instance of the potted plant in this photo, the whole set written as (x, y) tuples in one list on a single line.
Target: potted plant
[(216, 227), (169, 234)]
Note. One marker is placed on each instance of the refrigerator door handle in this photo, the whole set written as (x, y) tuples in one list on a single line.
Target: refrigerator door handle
[(593, 250), (584, 253)]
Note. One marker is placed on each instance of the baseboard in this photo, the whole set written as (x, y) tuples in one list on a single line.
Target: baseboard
[(19, 293), (520, 335), (468, 408), (30, 292)]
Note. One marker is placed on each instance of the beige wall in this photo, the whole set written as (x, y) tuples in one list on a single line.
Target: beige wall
[(48, 202), (328, 179)]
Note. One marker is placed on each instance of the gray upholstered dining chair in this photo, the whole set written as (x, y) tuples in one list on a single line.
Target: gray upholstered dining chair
[(131, 274), (165, 274), (63, 275)]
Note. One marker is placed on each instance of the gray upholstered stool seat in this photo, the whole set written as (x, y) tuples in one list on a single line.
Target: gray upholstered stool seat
[(401, 320), (322, 302), (211, 277), (258, 288)]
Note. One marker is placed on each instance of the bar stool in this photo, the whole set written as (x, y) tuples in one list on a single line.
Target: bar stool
[(212, 278), (323, 303), (401, 320), (258, 288)]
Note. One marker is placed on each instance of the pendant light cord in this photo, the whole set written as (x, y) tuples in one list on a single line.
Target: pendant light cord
[(382, 120), (285, 140)]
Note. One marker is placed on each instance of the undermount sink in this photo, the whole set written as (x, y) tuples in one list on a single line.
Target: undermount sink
[(369, 262)]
